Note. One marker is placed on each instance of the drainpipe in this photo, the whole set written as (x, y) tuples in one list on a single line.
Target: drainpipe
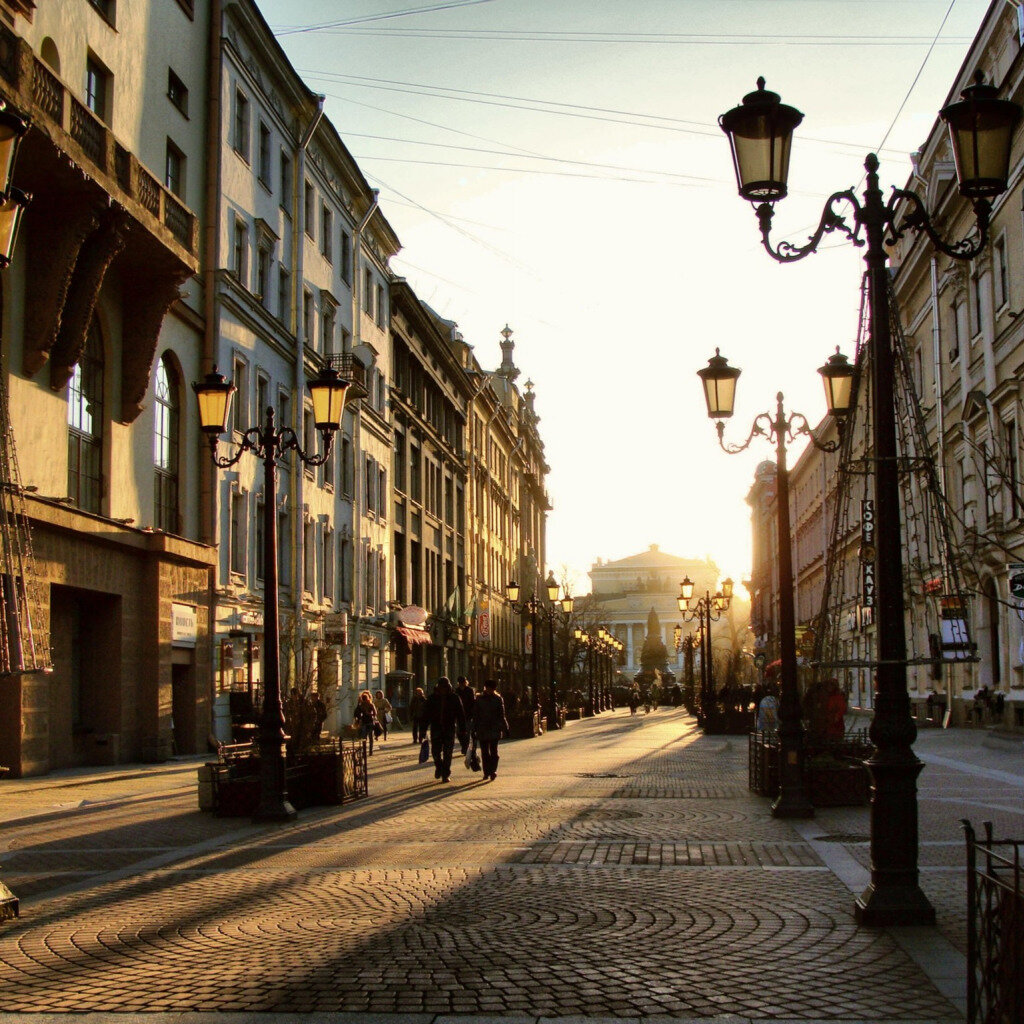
[(359, 477), (298, 380), (208, 275), (211, 258)]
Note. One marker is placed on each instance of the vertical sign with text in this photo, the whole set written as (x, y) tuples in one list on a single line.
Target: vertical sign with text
[(867, 552)]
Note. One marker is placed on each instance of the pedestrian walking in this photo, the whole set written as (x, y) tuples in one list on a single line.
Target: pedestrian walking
[(416, 706), (446, 718), (634, 699), (365, 716), (383, 708), (490, 724), (467, 695)]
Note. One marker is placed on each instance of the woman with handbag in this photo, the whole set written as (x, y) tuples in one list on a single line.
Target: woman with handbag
[(490, 724), (365, 716), (383, 708)]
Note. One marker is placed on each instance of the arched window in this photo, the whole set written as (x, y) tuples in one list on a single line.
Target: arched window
[(165, 447), (85, 425)]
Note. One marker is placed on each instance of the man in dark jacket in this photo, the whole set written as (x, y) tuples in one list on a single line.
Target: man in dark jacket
[(445, 717), (489, 724), (467, 695)]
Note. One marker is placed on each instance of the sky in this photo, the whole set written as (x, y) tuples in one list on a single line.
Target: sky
[(556, 165)]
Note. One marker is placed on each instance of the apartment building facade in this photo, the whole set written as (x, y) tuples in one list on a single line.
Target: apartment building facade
[(102, 330)]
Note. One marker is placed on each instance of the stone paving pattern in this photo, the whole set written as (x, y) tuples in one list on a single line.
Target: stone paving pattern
[(617, 869)]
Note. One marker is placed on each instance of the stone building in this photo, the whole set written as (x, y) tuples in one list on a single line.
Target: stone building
[(296, 279), (102, 330), (430, 397), (626, 590)]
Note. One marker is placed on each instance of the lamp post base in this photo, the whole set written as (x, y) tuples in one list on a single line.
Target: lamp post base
[(792, 805), (274, 804), (893, 905)]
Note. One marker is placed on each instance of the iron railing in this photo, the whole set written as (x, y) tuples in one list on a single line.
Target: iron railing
[(995, 928)]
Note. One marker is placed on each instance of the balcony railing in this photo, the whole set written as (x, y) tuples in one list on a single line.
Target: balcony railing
[(46, 97), (350, 369)]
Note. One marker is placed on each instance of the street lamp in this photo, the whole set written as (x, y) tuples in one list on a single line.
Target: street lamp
[(980, 128), (267, 442), (838, 375), (708, 609), (530, 605)]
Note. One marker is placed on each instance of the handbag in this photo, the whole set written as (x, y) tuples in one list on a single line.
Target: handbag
[(387, 717), (424, 751), (378, 730), (472, 758)]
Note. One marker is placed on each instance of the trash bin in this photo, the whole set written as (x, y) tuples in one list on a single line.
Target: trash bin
[(103, 748)]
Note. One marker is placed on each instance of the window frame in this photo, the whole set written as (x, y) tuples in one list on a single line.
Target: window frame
[(241, 124), (177, 93)]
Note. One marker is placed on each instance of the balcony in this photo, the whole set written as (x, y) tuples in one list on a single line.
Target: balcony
[(83, 138), (351, 369)]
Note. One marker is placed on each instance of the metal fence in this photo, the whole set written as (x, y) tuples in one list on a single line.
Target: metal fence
[(995, 928)]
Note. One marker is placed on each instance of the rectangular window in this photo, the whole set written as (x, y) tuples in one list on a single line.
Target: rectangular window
[(174, 170), (240, 139), (238, 523), (240, 399), (369, 485), (263, 274), (328, 564), (327, 331), (326, 232), (286, 182), (308, 210), (382, 492), (307, 317), (240, 252), (381, 307), (346, 341), (262, 396), (177, 93), (346, 257), (368, 291), (398, 463), (345, 570), (415, 489), (308, 559), (1012, 470), (264, 157), (284, 409), (98, 88), (284, 295), (976, 301)]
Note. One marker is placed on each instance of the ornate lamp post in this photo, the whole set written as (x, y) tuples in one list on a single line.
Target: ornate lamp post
[(708, 609), (981, 125), (584, 639), (719, 381), (529, 606), (269, 443)]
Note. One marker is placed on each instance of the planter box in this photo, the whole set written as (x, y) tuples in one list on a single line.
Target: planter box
[(525, 727), (316, 779)]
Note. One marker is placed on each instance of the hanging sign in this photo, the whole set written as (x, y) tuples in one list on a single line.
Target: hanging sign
[(867, 553), (528, 638), (1015, 572), (483, 618)]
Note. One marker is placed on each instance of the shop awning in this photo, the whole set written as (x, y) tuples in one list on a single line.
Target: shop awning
[(413, 635)]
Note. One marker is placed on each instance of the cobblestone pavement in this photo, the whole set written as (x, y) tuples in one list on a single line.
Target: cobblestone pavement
[(619, 869)]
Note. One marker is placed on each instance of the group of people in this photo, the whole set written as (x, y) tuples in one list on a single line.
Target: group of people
[(446, 715)]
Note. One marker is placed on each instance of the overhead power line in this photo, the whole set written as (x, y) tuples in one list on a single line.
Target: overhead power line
[(658, 122), (325, 26)]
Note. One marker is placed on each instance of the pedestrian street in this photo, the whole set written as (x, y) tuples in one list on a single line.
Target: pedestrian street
[(617, 869)]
